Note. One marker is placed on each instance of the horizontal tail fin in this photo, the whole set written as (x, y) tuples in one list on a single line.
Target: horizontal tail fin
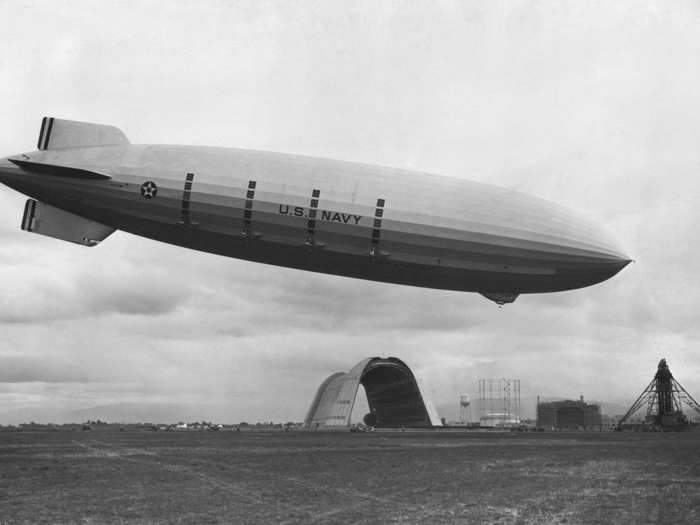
[(59, 171), (59, 134)]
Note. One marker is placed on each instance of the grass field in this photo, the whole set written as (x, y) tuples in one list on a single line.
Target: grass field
[(381, 477)]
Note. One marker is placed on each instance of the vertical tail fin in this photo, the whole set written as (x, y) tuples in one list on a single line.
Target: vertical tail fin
[(59, 133)]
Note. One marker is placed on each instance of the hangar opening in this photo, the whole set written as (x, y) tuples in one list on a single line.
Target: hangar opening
[(394, 397)]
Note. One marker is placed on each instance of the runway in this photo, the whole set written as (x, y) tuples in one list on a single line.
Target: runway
[(383, 477)]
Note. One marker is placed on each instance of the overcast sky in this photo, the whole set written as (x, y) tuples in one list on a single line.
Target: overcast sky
[(594, 105)]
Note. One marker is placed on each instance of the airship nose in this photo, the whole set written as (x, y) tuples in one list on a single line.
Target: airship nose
[(571, 251), (621, 264), (591, 262), (609, 269)]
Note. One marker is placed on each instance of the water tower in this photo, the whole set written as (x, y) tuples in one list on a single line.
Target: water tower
[(465, 408)]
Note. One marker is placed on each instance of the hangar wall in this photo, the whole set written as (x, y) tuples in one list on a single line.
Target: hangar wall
[(394, 397)]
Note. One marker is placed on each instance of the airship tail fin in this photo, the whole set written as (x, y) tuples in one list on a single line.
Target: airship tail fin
[(47, 220), (58, 133)]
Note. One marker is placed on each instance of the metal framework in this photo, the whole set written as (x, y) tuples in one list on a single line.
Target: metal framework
[(499, 397), (664, 398)]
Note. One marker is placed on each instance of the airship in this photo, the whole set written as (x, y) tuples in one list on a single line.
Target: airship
[(87, 180)]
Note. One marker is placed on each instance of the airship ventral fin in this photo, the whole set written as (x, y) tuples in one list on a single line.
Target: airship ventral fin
[(60, 171), (58, 133), (42, 218)]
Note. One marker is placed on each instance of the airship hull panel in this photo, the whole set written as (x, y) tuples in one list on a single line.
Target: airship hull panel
[(329, 216)]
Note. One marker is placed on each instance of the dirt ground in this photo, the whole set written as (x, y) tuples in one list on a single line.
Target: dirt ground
[(381, 477)]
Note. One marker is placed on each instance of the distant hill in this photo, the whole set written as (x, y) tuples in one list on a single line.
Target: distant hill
[(174, 412), (450, 411), (528, 408), (615, 409), (122, 413)]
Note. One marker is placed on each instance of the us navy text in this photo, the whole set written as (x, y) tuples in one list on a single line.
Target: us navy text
[(324, 215)]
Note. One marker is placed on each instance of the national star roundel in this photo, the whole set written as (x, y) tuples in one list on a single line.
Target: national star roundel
[(149, 189)]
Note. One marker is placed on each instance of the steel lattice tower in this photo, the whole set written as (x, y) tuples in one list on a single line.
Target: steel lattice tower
[(664, 398), (499, 397)]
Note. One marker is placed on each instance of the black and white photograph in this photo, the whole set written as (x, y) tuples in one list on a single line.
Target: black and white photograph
[(349, 262)]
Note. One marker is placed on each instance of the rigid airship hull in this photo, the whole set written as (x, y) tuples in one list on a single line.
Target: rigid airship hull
[(326, 216)]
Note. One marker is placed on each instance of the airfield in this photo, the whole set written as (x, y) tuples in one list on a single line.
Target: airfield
[(374, 477)]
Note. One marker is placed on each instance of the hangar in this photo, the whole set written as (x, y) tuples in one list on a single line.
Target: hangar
[(394, 397)]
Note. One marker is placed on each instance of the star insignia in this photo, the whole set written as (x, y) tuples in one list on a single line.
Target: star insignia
[(149, 189)]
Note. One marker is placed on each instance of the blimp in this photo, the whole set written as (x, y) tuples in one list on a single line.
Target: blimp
[(85, 181)]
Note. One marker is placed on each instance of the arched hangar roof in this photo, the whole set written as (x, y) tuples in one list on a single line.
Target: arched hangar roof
[(394, 396)]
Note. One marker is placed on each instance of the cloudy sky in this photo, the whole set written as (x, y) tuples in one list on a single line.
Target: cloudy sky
[(593, 105)]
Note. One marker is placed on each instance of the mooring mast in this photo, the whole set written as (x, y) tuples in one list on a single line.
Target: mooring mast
[(664, 398)]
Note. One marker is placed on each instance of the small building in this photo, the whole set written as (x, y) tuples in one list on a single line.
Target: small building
[(568, 414)]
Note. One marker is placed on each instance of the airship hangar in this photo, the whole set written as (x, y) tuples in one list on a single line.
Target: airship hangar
[(394, 396)]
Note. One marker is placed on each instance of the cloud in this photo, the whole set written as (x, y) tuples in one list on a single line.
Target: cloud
[(83, 283), (20, 369)]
